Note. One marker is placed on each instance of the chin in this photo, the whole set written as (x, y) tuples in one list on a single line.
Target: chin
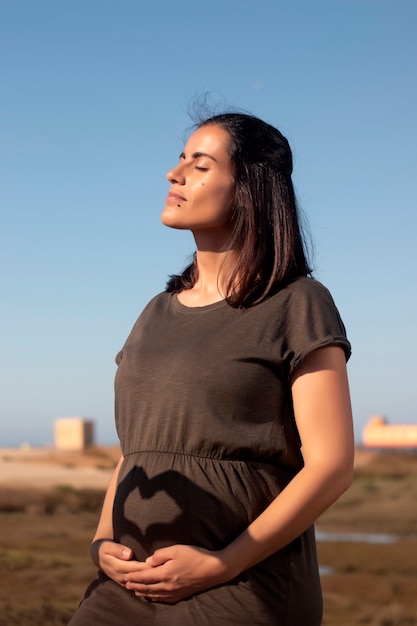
[(175, 226), (171, 223)]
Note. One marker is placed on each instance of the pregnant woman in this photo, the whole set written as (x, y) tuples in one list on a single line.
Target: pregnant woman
[(232, 408)]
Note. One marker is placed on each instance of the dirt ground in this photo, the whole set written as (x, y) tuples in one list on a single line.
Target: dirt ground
[(49, 504)]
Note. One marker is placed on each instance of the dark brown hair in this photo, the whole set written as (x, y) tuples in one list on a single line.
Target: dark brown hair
[(267, 236)]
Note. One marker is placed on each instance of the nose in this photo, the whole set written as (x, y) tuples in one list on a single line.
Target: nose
[(176, 176)]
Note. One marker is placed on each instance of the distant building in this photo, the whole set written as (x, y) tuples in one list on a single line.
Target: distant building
[(73, 433), (379, 434)]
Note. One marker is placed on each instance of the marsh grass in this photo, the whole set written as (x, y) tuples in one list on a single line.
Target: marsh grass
[(50, 501), (45, 564), (374, 584)]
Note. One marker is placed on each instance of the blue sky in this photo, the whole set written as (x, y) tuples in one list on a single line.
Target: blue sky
[(94, 105)]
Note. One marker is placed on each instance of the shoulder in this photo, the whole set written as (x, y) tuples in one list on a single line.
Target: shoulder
[(155, 307), (158, 301), (307, 318), (305, 287), (307, 297), (302, 292)]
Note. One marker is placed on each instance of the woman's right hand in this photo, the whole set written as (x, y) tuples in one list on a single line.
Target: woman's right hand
[(114, 559)]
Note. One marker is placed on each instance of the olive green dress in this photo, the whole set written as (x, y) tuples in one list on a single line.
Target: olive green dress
[(205, 420)]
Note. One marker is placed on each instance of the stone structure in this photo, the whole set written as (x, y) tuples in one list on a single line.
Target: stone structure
[(379, 434), (73, 433)]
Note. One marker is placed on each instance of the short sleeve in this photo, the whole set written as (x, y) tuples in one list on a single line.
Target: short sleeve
[(311, 320)]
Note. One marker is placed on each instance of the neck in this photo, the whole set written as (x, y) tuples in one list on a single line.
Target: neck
[(214, 268)]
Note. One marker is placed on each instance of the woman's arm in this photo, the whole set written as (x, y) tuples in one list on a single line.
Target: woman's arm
[(111, 557), (105, 524), (324, 420)]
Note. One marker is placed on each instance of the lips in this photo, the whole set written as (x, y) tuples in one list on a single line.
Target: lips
[(175, 197)]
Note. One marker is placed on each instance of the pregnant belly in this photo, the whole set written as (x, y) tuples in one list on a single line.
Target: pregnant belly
[(163, 499)]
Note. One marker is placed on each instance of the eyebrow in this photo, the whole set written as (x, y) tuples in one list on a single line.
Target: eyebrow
[(196, 155)]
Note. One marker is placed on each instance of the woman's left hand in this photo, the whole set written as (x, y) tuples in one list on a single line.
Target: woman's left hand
[(178, 572)]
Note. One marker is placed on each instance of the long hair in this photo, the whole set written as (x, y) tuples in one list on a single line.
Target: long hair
[(267, 238)]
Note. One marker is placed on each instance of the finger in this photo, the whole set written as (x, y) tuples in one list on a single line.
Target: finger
[(137, 567), (118, 551), (145, 591), (146, 576), (159, 557)]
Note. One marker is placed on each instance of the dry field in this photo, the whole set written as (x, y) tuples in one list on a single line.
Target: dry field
[(49, 504)]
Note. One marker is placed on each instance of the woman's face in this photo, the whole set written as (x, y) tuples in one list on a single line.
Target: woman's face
[(201, 192)]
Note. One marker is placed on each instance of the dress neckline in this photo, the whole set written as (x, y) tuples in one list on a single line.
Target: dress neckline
[(183, 308)]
